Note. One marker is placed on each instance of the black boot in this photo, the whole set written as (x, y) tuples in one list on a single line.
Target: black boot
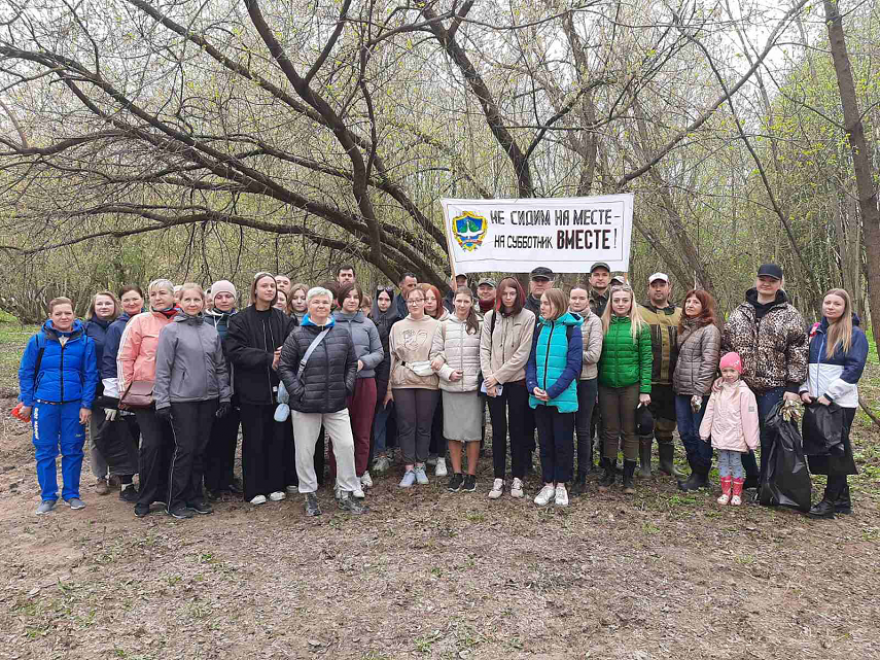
[(609, 470), (699, 477), (843, 504), (645, 445), (579, 485), (629, 469), (667, 454), (824, 509)]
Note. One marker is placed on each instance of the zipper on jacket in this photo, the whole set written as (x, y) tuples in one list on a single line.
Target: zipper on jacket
[(547, 354), (62, 369)]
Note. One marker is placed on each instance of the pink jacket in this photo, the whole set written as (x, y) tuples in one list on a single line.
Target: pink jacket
[(136, 359), (731, 417)]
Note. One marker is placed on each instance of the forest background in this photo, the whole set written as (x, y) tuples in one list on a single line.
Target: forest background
[(208, 140)]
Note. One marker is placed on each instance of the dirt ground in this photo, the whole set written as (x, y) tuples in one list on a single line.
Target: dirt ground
[(432, 574)]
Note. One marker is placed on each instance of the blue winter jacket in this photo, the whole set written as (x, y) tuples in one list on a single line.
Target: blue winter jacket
[(67, 373), (836, 378), (111, 346), (555, 362), (97, 330)]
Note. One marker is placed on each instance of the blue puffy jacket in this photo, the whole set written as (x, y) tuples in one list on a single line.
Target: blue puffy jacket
[(836, 378), (67, 372), (107, 363), (97, 330), (555, 361)]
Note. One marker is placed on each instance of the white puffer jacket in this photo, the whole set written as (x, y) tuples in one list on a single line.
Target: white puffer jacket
[(460, 351)]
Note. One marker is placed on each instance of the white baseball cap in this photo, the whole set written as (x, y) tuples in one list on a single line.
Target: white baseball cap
[(659, 276)]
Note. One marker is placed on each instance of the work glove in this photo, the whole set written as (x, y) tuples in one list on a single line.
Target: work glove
[(110, 414)]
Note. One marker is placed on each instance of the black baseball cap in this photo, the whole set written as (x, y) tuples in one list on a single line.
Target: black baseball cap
[(770, 270), (600, 264), (541, 273)]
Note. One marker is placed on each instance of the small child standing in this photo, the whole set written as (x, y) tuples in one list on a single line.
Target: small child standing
[(731, 421)]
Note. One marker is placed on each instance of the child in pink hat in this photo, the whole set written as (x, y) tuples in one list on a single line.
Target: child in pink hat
[(731, 421)]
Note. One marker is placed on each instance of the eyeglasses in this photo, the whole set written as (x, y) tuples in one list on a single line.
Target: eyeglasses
[(416, 301)]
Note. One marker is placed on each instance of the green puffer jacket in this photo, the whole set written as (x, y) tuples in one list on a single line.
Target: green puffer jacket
[(625, 362)]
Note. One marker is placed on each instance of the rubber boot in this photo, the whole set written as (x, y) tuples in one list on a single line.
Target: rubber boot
[(645, 445), (667, 454), (699, 477), (609, 472), (629, 469), (726, 488), (736, 499), (843, 504)]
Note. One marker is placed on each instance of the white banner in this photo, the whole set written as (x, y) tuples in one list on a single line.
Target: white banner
[(516, 235)]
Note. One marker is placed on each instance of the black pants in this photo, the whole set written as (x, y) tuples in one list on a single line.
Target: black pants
[(220, 452), (556, 435), (587, 392), (513, 401), (117, 441), (262, 450), (191, 423), (438, 440), (154, 458)]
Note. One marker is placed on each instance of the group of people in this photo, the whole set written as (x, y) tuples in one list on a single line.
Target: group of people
[(165, 381)]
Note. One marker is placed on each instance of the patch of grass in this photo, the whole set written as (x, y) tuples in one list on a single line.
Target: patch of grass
[(13, 339)]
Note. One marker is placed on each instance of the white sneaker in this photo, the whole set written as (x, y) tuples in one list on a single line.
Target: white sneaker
[(366, 480), (547, 492), (516, 488), (259, 499), (561, 496), (292, 489), (440, 470), (497, 489), (277, 496), (358, 493)]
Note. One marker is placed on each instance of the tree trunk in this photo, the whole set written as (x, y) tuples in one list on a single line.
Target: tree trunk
[(860, 153)]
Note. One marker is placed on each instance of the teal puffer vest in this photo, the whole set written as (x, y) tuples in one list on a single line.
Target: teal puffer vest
[(551, 355)]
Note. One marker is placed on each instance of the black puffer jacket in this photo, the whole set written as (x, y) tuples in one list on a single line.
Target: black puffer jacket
[(250, 346), (384, 321), (330, 374)]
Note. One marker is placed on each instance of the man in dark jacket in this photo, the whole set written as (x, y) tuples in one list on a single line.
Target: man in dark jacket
[(600, 283), (319, 368), (407, 283), (662, 316), (771, 338), (540, 279)]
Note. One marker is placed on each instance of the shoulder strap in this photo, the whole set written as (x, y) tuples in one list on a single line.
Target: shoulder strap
[(492, 322), (311, 349)]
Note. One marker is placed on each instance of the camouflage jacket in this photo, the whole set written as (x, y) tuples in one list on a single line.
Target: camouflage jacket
[(774, 349)]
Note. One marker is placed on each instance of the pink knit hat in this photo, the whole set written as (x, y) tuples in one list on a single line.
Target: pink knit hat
[(731, 361)]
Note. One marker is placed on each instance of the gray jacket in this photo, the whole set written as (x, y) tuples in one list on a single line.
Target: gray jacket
[(367, 343), (698, 350), (189, 363)]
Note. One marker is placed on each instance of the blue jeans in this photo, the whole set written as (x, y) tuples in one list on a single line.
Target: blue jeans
[(58, 427), (380, 423), (699, 453), (766, 401)]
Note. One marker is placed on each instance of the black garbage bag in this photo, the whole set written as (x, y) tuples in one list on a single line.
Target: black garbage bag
[(823, 430), (117, 441), (787, 480)]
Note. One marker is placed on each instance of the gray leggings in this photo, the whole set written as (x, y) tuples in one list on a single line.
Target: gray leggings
[(730, 464), (415, 413)]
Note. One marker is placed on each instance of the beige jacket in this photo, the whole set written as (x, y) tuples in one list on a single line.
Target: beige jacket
[(460, 351), (593, 336), (505, 352), (412, 341)]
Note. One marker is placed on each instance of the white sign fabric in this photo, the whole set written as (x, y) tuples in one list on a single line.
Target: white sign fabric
[(516, 235)]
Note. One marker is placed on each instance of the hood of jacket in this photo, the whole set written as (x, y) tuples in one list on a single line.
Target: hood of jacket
[(52, 333), (183, 317), (569, 318), (752, 299), (307, 321)]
